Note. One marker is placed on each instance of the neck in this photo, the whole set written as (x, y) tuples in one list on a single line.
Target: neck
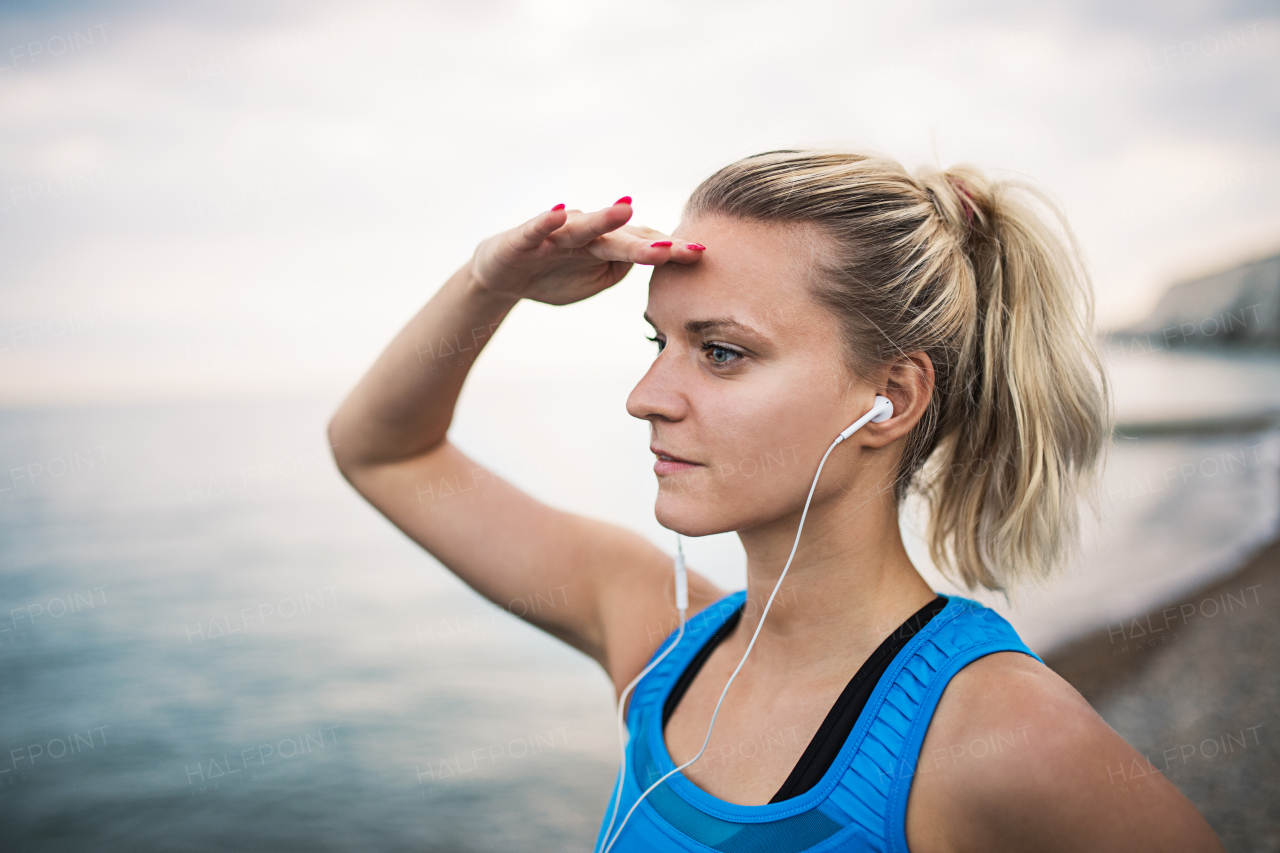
[(850, 579)]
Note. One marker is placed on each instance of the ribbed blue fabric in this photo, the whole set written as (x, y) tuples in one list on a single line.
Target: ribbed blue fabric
[(861, 802)]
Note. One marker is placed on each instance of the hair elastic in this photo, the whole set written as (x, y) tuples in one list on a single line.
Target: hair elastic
[(966, 201)]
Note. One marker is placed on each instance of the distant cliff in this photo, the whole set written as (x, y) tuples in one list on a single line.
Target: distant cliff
[(1239, 307)]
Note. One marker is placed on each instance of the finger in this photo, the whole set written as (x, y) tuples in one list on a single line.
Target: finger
[(532, 233), (684, 252), (626, 245), (678, 251), (581, 230)]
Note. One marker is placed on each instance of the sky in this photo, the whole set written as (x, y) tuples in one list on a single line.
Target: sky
[(211, 200)]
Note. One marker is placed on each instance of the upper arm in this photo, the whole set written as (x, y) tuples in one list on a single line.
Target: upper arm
[(1016, 759), (601, 588)]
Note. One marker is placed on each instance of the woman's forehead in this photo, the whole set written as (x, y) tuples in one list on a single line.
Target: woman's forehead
[(752, 273)]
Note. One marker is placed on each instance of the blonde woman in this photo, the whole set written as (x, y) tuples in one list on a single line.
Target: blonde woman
[(798, 288)]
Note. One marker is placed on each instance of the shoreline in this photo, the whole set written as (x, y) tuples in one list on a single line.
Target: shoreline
[(1178, 681)]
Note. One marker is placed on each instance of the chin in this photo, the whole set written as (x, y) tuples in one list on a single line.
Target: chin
[(692, 515)]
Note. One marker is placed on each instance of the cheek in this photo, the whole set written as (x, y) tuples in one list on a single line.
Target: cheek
[(759, 443), (762, 435)]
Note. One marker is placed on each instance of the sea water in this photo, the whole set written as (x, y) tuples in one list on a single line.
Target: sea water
[(209, 641)]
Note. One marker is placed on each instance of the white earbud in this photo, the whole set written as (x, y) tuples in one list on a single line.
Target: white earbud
[(885, 409), (880, 412)]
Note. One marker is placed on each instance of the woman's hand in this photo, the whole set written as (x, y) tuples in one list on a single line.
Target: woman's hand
[(563, 256)]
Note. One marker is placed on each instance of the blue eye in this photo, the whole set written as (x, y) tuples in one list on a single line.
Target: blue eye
[(715, 348), (720, 354)]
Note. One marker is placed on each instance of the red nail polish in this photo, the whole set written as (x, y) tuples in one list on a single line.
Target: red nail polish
[(558, 207), (661, 243), (698, 246), (626, 199)]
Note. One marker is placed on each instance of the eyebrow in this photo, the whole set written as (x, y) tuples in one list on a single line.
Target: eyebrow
[(693, 327)]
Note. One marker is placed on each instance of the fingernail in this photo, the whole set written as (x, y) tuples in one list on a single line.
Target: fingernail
[(558, 207), (661, 243), (698, 246), (626, 199)]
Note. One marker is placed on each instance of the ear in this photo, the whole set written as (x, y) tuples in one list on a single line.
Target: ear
[(908, 382)]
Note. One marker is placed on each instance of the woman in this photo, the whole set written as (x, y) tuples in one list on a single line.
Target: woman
[(799, 287)]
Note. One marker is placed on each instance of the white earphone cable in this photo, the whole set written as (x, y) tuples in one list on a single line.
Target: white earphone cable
[(750, 646), (622, 702)]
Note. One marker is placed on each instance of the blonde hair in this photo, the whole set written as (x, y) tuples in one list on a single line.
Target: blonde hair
[(965, 269)]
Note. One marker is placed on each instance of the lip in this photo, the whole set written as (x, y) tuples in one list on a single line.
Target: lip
[(672, 463)]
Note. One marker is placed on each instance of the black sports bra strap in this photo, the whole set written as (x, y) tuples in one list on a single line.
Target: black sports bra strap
[(691, 671), (843, 716)]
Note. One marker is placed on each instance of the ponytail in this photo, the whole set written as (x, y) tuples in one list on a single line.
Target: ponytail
[(985, 277), (1032, 420)]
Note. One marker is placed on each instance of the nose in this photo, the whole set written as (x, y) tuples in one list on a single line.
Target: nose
[(658, 395)]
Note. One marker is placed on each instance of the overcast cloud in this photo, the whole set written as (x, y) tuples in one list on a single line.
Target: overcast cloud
[(235, 198)]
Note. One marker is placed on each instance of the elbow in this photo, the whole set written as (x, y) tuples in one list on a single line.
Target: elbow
[(358, 446), (340, 446)]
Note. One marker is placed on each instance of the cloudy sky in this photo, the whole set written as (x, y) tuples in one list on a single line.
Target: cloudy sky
[(235, 198)]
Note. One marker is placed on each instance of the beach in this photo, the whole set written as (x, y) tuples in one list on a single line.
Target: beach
[(1192, 685)]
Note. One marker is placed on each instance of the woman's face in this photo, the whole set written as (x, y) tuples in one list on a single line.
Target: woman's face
[(749, 385)]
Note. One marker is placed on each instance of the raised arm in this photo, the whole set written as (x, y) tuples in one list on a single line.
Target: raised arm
[(599, 587)]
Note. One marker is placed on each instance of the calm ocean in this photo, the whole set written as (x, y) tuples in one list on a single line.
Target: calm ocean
[(208, 641)]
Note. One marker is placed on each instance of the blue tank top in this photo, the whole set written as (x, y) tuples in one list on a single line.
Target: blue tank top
[(860, 804)]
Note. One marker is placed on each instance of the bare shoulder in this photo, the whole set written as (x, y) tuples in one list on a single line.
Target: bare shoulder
[(1016, 759), (639, 613)]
